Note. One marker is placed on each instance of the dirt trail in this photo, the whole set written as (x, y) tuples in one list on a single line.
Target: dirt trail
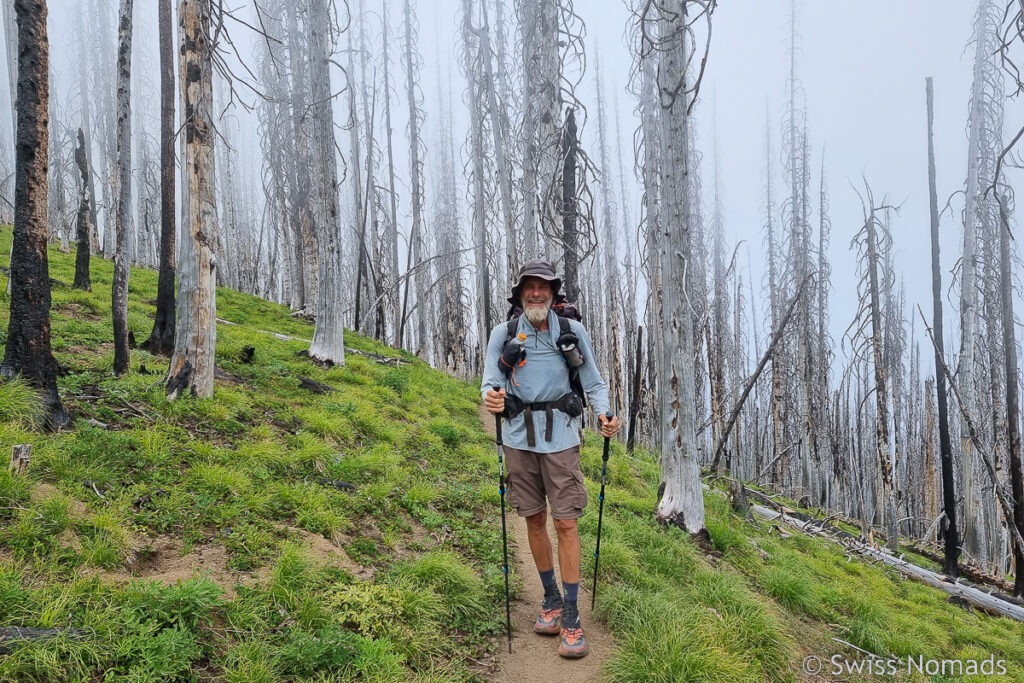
[(535, 657)]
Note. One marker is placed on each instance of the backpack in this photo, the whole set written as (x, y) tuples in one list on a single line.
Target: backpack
[(565, 311)]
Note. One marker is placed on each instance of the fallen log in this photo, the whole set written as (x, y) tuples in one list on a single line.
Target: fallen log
[(974, 597), (970, 571), (384, 360), (1003, 588), (314, 386)]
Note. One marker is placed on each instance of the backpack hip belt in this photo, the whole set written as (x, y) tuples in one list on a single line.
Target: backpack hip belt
[(567, 403)]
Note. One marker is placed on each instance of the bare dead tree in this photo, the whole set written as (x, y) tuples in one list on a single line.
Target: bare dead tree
[(1003, 496), (27, 352), (873, 243), (451, 332), (628, 285), (1012, 406), (411, 62), (682, 501), (472, 60), (328, 337), (612, 308), (980, 217), (393, 271), (192, 363), (105, 86), (951, 534), (87, 125), (161, 338), (83, 231), (123, 219)]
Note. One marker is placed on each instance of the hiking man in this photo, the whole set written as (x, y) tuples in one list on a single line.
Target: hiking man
[(542, 401)]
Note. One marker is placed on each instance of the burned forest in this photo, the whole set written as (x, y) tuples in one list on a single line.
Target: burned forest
[(819, 311)]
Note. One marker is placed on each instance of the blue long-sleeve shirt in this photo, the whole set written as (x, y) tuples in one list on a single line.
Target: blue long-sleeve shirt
[(544, 377)]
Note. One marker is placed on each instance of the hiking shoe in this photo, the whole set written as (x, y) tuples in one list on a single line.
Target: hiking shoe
[(549, 621), (573, 644)]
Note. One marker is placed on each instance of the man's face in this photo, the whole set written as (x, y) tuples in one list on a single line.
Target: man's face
[(537, 296)]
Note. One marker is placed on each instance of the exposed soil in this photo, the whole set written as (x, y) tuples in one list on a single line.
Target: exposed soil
[(161, 559), (76, 310), (323, 551), (44, 490), (535, 657), (163, 562)]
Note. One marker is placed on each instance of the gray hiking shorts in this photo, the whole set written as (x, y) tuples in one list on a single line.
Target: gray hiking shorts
[(556, 477)]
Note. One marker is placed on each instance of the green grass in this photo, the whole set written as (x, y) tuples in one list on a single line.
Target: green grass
[(395, 576), (238, 474)]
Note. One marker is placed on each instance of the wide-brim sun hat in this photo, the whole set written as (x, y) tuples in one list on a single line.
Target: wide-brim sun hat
[(538, 268)]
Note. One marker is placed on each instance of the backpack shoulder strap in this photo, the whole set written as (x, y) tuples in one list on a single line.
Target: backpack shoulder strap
[(510, 329), (575, 384)]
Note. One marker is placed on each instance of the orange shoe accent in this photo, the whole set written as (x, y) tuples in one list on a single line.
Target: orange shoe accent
[(573, 644), (549, 622)]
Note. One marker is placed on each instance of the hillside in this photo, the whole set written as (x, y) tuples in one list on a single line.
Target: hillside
[(271, 533)]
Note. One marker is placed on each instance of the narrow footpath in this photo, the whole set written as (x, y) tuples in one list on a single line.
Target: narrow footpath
[(535, 657)]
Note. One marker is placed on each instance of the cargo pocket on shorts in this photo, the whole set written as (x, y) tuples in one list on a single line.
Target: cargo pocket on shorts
[(511, 497), (581, 489)]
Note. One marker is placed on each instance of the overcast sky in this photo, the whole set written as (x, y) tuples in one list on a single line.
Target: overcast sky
[(862, 66)]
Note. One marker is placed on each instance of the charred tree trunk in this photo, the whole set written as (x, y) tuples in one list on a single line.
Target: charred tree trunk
[(27, 352), (570, 233), (1012, 407), (11, 45), (119, 291), (634, 403), (83, 232), (161, 339), (192, 363), (950, 532)]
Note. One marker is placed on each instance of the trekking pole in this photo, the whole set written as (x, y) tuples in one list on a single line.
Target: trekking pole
[(504, 532), (600, 512)]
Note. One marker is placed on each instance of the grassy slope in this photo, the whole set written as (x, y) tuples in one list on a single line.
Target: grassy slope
[(416, 591)]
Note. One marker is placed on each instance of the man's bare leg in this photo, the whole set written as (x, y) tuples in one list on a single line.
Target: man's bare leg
[(549, 621), (569, 553), (540, 542), (573, 644)]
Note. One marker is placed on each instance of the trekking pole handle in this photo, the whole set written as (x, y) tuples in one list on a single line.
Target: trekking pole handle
[(497, 422), (604, 456)]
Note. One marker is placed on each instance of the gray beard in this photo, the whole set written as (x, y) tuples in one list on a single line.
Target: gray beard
[(536, 316)]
